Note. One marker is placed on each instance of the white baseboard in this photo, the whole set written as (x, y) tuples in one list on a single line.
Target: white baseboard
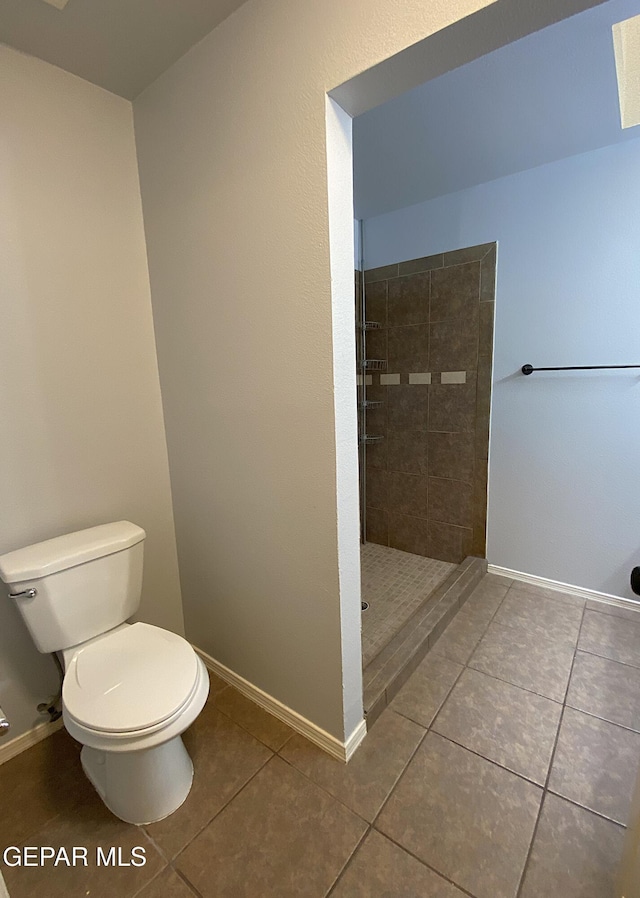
[(21, 743), (333, 746), (579, 591)]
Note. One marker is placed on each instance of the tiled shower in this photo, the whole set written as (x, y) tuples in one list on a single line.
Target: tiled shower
[(425, 356)]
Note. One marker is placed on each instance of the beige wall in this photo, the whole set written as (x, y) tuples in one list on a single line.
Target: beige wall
[(232, 151), (82, 439)]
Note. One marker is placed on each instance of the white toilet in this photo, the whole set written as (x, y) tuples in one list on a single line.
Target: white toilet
[(129, 690)]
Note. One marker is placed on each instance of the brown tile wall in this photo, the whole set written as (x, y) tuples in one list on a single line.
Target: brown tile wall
[(426, 483)]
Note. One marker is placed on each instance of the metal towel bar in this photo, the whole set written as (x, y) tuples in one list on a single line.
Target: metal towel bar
[(529, 369)]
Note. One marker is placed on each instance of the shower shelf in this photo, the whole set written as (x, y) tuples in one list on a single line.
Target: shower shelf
[(368, 438), (370, 326), (369, 404), (374, 364)]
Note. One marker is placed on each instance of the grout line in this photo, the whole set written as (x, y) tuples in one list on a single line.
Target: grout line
[(348, 862), (613, 723), (583, 807), (150, 881), (556, 701), (187, 882), (218, 812), (609, 658), (158, 847), (545, 791), (424, 863), (243, 727), (400, 777)]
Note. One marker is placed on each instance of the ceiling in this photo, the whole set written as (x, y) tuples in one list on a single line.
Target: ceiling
[(121, 45), (547, 96)]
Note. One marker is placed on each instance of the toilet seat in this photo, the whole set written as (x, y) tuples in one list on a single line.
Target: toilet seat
[(132, 682)]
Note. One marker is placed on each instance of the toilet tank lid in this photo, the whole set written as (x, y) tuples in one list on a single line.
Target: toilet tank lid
[(69, 550)]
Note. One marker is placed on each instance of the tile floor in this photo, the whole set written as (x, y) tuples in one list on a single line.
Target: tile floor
[(395, 584), (502, 768)]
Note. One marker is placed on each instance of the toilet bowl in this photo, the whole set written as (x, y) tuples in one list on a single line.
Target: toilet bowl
[(129, 690), (127, 698)]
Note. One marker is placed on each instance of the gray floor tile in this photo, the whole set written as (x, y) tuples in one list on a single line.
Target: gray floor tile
[(632, 613), (467, 818), (496, 580), (543, 592), (595, 764), (485, 599), (526, 610), (460, 638), (216, 685), (365, 782), (607, 689), (575, 854), (251, 717), (224, 757), (611, 637), (40, 784), (167, 885), (426, 689), (281, 836), (504, 723), (89, 826), (379, 869), (523, 658)]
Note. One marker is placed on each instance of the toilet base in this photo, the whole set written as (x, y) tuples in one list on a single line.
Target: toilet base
[(141, 786)]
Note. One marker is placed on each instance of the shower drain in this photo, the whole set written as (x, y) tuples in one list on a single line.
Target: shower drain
[(365, 605)]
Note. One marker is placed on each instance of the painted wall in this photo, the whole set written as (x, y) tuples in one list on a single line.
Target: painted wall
[(563, 470), (234, 183), (82, 440)]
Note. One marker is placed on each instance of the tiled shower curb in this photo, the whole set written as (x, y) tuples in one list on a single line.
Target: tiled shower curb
[(393, 666)]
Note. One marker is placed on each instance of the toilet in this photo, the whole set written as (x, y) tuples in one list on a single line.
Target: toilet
[(129, 690)]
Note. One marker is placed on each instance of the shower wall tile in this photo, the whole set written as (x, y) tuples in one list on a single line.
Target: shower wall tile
[(450, 501), (377, 526), (408, 407), (479, 510), (407, 451), (426, 263), (451, 455), (453, 377), (426, 482), (377, 417), (377, 303), (377, 453), (454, 345), (447, 542), (488, 276), (409, 534), (377, 344), (485, 333), (452, 407), (381, 273), (408, 300), (408, 493), (408, 348), (455, 292), (482, 441), (484, 388), (377, 487)]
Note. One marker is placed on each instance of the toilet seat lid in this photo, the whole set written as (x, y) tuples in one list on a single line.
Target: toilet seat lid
[(132, 679)]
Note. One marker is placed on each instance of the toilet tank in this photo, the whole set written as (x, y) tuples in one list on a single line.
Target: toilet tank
[(83, 583)]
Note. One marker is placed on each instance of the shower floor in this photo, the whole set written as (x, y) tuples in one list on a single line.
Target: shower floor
[(395, 584)]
